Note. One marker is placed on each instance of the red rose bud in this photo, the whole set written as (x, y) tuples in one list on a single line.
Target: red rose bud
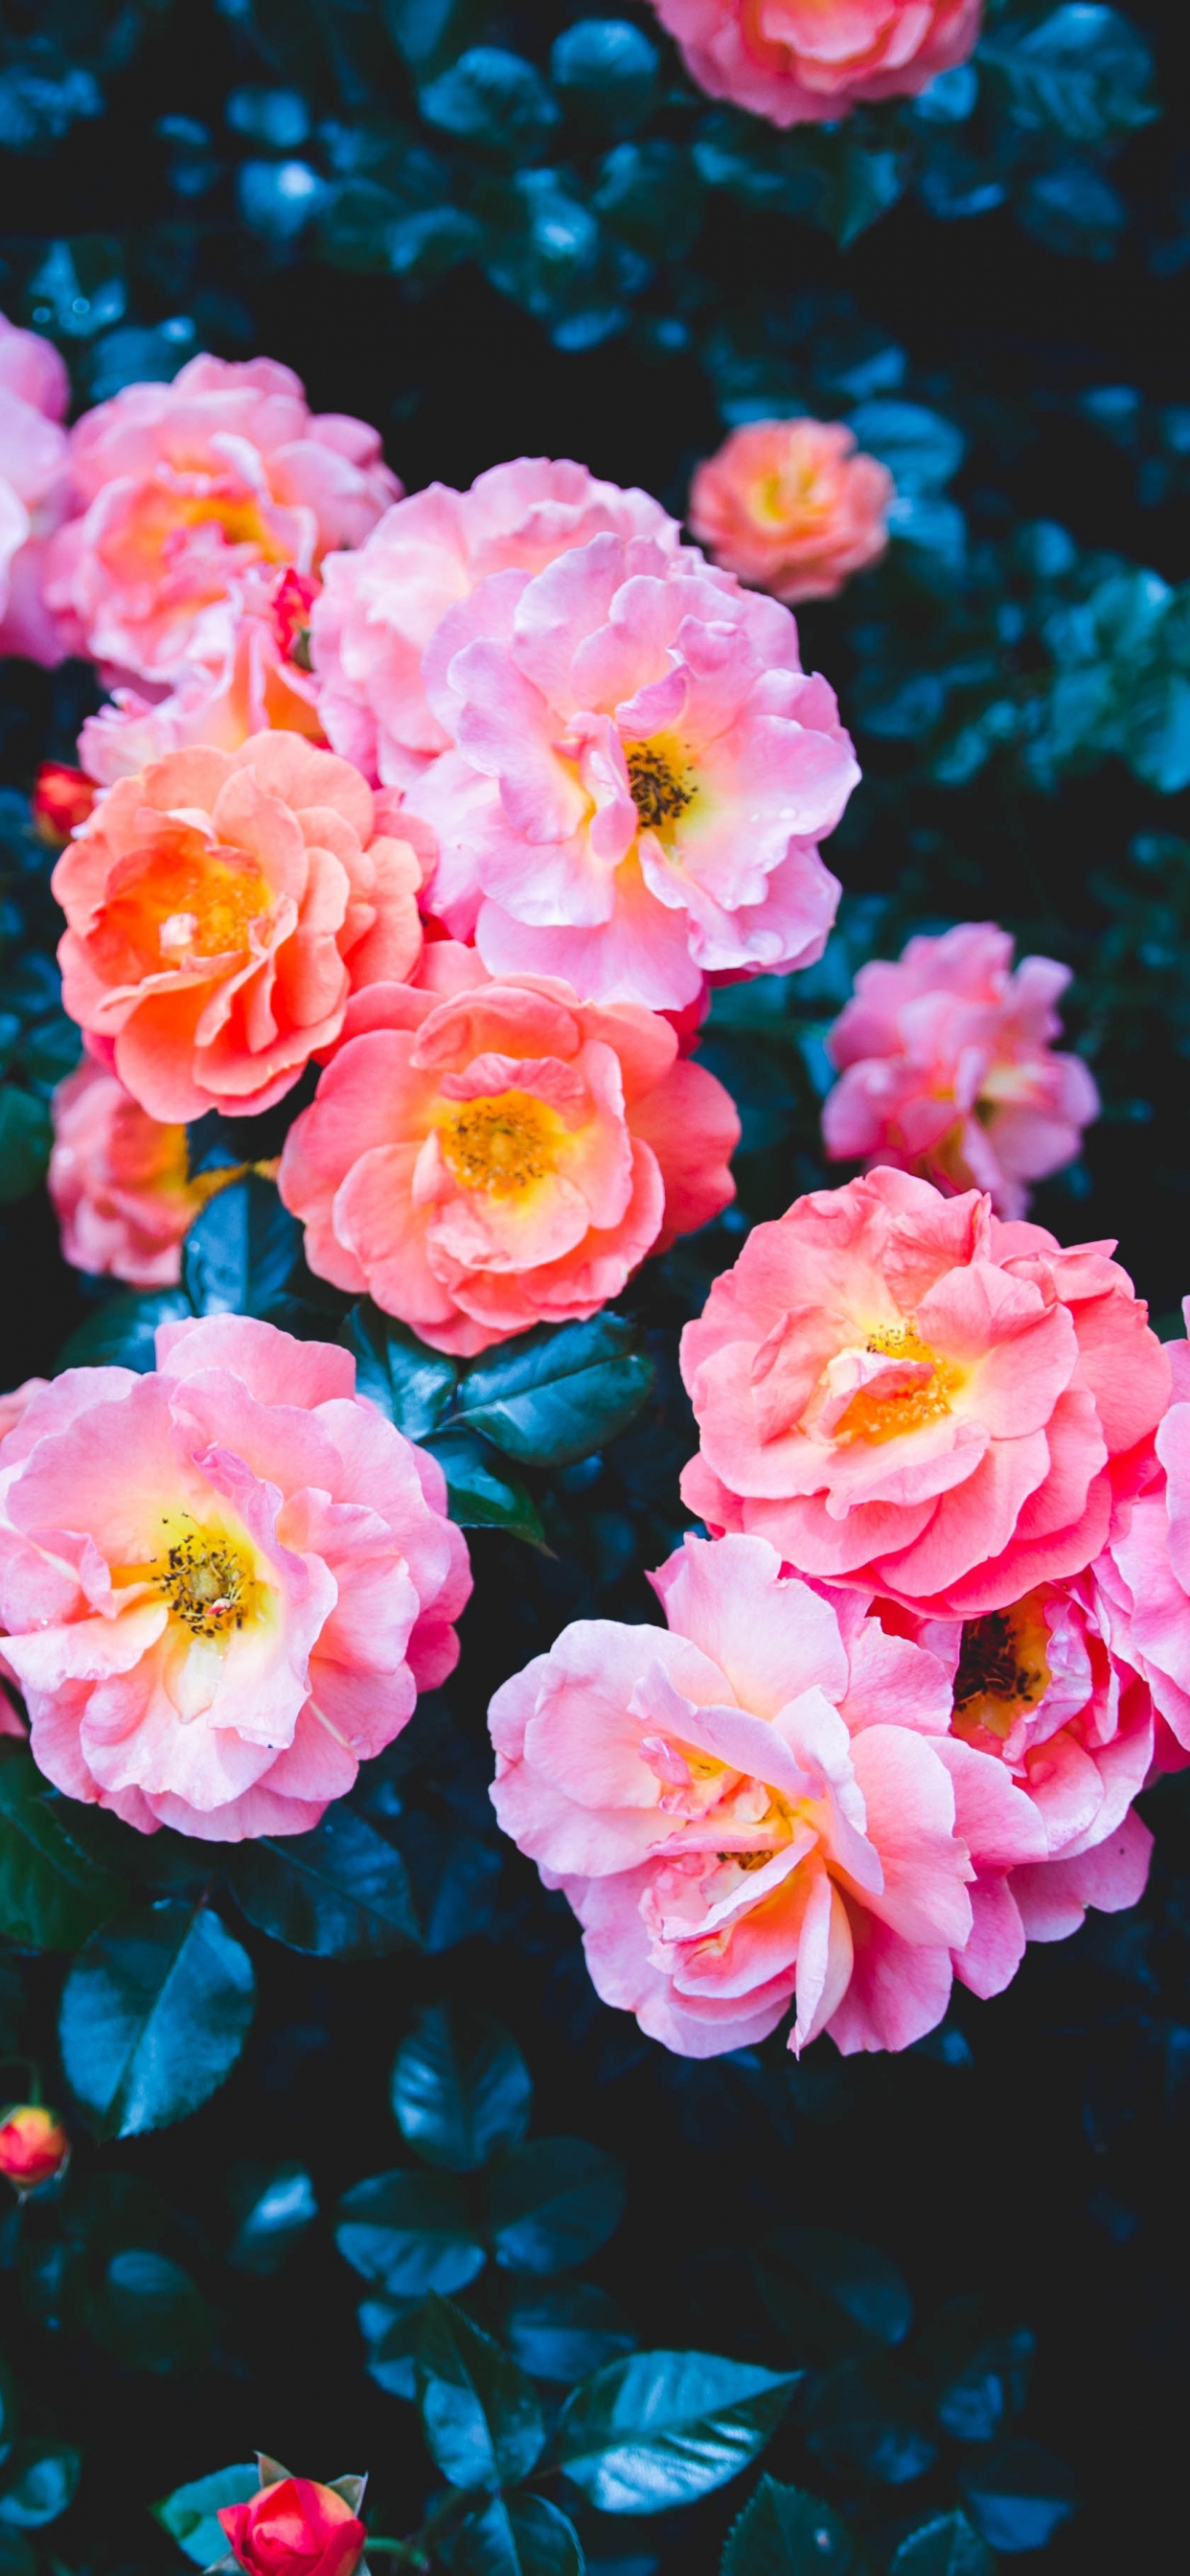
[(295, 2528), (293, 600), (34, 2146), (62, 798)]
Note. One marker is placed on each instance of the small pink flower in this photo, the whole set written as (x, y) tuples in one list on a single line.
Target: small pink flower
[(220, 906), (180, 490), (1148, 1571), (759, 1804), (223, 1583), (34, 392), (788, 506), (901, 1392), (120, 1182), (809, 61), (254, 686), (642, 774), (947, 1068), (484, 1154), (382, 603)]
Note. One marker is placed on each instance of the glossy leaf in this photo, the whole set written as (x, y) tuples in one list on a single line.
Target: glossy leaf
[(831, 2294), (37, 2483), (241, 1251), (390, 2328), (782, 2531), (563, 2330), (1017, 2495), (482, 1494), (460, 2091), (552, 2203), (411, 2232), (480, 2413), (552, 1396), (53, 1893), (518, 2535), (664, 2427), (276, 2210), (190, 2513), (340, 1891), (154, 2014), (412, 1384), (946, 2546), (122, 1333)]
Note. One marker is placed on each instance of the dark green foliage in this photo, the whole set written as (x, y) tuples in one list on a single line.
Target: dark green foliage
[(154, 2015)]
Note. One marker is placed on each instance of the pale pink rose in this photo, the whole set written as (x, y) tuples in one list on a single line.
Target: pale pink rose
[(34, 392), (804, 62), (483, 1155), (381, 604), (1148, 1570), (789, 506), (12, 1405), (758, 1804), (179, 490), (255, 687), (947, 1068), (223, 1583), (120, 1182), (642, 774), (220, 907), (904, 1393)]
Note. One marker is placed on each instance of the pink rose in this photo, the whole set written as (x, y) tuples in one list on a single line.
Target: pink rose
[(903, 1393), (34, 392), (804, 62), (485, 1154), (220, 906), (254, 686), (180, 490), (790, 507), (641, 777), (295, 2527), (120, 1182), (382, 603), (1148, 1571), (760, 1803), (947, 1068), (223, 1583)]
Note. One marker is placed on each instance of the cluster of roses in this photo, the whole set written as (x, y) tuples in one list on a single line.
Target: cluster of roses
[(466, 800)]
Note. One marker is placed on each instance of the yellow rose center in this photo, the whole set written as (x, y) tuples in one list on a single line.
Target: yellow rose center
[(207, 1580), (241, 520), (878, 1416), (662, 784), (502, 1144), (206, 909), (1003, 1669)]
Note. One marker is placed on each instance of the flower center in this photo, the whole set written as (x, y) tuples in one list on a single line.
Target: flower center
[(878, 1416), (1003, 1669), (208, 1583), (661, 784), (239, 518), (501, 1144)]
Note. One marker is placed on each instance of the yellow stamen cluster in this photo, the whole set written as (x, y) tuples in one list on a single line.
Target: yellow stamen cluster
[(1003, 1669), (207, 1582), (878, 1416), (660, 791), (501, 1144)]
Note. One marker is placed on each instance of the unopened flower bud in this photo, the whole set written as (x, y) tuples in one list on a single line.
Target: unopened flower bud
[(34, 2146), (62, 799), (295, 2528)]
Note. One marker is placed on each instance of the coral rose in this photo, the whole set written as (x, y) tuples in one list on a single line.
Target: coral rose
[(34, 392), (381, 604), (642, 774), (295, 2528), (1148, 1571), (120, 1182), (904, 1393), (254, 686), (947, 1068), (220, 906), (223, 1583), (34, 2146), (789, 506), (182, 489), (761, 1803), (482, 1155), (804, 62)]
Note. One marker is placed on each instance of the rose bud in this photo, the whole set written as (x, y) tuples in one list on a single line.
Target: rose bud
[(295, 2528), (34, 2146), (62, 799)]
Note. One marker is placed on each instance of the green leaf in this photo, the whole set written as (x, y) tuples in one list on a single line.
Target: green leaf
[(481, 1493), (37, 2482), (782, 2531), (189, 2514), (1017, 2495), (831, 2294), (390, 2328), (945, 2547), (479, 2411), (338, 1892), (664, 2427), (552, 2203), (460, 2092), (412, 1384), (53, 1894), (154, 2014), (25, 1139), (150, 2315), (554, 1395), (871, 2420), (410, 2231), (122, 1332), (563, 2330), (276, 2208), (519, 2535), (241, 1251)]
